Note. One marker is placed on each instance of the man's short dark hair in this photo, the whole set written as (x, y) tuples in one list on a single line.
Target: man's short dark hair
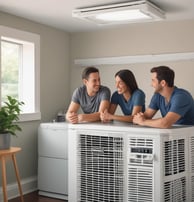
[(164, 73), (87, 71)]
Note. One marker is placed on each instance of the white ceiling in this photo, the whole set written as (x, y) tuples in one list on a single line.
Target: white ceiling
[(58, 13)]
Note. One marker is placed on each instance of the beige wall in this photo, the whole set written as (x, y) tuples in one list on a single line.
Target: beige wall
[(54, 89), (130, 40)]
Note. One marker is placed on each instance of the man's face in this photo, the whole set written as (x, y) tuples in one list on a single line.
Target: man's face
[(93, 83), (155, 83)]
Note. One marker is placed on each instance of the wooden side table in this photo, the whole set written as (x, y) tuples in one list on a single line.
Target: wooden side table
[(3, 155)]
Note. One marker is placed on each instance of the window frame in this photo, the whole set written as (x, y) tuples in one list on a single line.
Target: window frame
[(20, 35)]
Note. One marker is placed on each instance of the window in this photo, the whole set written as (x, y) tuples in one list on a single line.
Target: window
[(19, 70), (10, 63)]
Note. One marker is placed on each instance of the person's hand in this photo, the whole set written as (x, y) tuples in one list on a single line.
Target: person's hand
[(105, 116), (138, 118), (73, 117)]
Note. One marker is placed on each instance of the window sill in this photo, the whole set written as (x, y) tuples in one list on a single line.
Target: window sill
[(30, 117)]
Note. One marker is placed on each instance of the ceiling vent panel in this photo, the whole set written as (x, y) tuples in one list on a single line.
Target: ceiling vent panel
[(128, 12)]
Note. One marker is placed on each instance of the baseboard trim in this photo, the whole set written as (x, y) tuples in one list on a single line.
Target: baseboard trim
[(28, 185), (53, 195)]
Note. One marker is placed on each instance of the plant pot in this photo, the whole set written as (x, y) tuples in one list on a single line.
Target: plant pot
[(5, 140)]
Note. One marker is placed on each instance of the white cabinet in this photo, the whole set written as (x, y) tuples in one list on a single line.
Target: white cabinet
[(53, 176), (53, 160)]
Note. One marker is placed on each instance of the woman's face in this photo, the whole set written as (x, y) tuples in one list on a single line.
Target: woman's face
[(120, 85)]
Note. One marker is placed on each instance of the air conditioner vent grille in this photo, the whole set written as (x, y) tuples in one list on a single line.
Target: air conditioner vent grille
[(191, 141), (192, 188), (174, 156), (175, 190), (192, 153), (141, 142), (140, 170), (140, 185), (100, 170)]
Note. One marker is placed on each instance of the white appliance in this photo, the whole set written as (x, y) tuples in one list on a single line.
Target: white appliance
[(53, 160), (127, 163)]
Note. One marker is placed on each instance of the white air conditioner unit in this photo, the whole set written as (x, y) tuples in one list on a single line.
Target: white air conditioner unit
[(132, 11), (112, 163)]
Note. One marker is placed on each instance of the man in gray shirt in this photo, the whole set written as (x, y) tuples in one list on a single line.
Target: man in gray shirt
[(92, 97)]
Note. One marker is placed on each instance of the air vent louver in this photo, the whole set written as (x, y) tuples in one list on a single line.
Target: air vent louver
[(140, 185), (175, 190), (174, 156), (101, 170), (140, 170)]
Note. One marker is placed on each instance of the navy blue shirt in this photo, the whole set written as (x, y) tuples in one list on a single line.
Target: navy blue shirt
[(181, 102), (137, 99)]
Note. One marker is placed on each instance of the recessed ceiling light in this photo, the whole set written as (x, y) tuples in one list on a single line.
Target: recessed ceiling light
[(125, 15), (133, 11)]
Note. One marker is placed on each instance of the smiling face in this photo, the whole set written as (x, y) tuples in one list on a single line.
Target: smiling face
[(92, 83), (120, 85), (156, 84)]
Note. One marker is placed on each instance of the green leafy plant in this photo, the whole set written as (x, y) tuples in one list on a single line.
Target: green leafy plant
[(9, 115)]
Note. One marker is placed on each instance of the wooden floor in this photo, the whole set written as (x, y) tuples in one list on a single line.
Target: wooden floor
[(34, 197)]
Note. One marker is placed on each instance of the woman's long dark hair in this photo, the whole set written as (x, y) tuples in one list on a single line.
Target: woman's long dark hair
[(128, 78)]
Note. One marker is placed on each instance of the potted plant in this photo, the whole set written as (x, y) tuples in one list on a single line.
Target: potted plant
[(9, 115)]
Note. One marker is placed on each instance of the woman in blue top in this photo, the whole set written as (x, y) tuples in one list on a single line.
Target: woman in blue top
[(128, 96)]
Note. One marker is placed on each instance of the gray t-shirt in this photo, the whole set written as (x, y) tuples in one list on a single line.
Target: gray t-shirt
[(90, 104)]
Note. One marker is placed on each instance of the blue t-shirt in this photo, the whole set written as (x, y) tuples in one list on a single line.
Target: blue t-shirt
[(181, 102), (137, 99), (90, 104)]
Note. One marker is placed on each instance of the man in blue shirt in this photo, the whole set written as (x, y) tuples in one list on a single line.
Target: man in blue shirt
[(175, 104)]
